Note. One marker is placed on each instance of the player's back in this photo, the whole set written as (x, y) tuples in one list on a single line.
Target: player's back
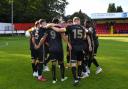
[(55, 41), (76, 34), (38, 33)]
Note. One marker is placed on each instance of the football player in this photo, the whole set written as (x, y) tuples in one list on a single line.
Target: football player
[(56, 51), (95, 43), (38, 38), (76, 35)]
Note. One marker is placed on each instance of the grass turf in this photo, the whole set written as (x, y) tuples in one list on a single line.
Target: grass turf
[(15, 66)]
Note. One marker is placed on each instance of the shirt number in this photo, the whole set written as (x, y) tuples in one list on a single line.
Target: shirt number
[(53, 34), (78, 34)]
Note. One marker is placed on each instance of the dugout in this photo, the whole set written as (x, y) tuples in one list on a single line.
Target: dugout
[(111, 24)]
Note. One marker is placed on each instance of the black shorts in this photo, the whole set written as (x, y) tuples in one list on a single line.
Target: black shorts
[(46, 51), (95, 49), (77, 52), (37, 54), (96, 45), (77, 55), (67, 48), (56, 56), (68, 55)]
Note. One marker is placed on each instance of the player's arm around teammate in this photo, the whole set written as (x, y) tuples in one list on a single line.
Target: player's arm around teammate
[(94, 42), (38, 37), (76, 34)]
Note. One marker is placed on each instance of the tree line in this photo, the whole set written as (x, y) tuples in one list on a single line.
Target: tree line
[(32, 10), (112, 8)]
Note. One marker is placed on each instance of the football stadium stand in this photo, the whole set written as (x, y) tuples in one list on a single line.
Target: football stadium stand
[(102, 29), (111, 24)]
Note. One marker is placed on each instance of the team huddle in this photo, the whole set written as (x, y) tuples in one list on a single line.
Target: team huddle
[(46, 45)]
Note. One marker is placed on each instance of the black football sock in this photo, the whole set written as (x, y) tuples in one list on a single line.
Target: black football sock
[(83, 66), (95, 62), (45, 64), (34, 67), (86, 62), (62, 70), (54, 72), (79, 70), (40, 68), (68, 58), (74, 73), (89, 63)]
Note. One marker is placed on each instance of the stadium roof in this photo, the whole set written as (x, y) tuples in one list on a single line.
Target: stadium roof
[(109, 15)]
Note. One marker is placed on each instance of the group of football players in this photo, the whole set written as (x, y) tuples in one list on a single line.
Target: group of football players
[(46, 45)]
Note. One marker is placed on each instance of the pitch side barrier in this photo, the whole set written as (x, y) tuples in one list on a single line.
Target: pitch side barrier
[(112, 35)]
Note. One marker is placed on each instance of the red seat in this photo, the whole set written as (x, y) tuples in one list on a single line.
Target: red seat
[(102, 29)]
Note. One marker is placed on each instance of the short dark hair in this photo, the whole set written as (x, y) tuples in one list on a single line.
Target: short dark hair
[(42, 20), (88, 21), (69, 21), (55, 20), (37, 23)]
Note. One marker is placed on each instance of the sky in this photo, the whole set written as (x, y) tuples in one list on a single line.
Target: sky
[(93, 6)]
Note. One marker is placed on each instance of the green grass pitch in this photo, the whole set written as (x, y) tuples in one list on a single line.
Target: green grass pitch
[(16, 72)]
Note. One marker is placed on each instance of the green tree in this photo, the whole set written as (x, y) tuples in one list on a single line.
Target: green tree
[(5, 11), (119, 9), (31, 10), (111, 8)]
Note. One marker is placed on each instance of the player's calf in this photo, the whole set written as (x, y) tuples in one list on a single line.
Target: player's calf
[(62, 71), (40, 68), (76, 81), (54, 71), (34, 68)]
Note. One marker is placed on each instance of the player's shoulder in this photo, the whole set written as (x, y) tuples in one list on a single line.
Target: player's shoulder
[(49, 30), (77, 27), (80, 26), (42, 29), (31, 29), (70, 27)]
